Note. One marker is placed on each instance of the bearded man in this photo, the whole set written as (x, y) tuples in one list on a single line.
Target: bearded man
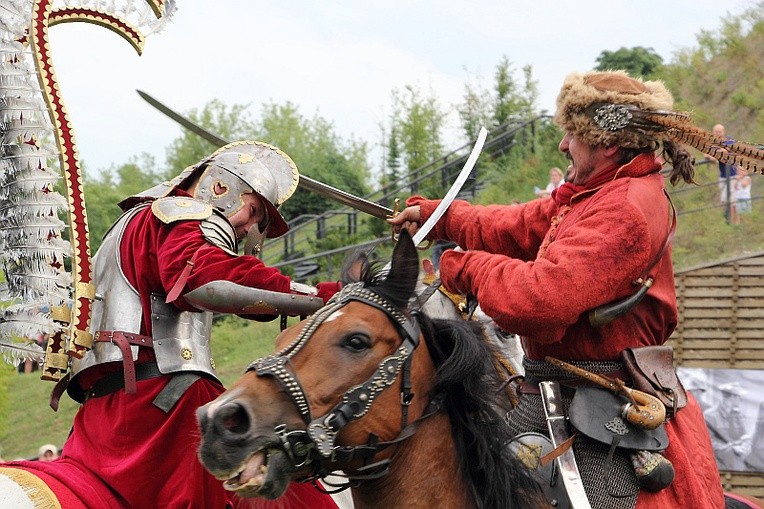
[(551, 271)]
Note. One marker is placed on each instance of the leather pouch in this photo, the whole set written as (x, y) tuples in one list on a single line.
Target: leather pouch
[(652, 371)]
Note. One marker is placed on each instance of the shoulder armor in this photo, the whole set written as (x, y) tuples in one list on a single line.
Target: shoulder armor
[(178, 208), (218, 231)]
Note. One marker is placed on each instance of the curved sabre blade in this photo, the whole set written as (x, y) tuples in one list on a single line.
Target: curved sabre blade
[(455, 188)]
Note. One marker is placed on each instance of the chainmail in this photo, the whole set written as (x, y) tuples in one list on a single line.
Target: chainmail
[(607, 488)]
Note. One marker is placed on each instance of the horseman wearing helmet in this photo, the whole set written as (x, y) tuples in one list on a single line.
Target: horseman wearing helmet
[(133, 442)]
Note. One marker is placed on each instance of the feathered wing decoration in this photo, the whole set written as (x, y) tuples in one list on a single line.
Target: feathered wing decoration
[(677, 127), (37, 149), (31, 250)]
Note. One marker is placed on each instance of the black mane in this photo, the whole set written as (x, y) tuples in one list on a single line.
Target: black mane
[(467, 376)]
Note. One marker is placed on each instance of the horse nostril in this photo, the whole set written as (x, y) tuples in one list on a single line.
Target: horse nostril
[(232, 418)]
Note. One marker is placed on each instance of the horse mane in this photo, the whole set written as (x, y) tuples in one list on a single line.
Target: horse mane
[(467, 376)]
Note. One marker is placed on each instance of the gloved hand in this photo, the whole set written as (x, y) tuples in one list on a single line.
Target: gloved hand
[(327, 289)]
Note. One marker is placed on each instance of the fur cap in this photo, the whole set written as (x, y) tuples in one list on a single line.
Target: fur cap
[(582, 94)]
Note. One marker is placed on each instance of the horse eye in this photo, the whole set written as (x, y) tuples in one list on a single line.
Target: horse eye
[(356, 342)]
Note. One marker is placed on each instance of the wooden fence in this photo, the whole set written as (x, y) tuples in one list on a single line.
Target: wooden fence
[(721, 314)]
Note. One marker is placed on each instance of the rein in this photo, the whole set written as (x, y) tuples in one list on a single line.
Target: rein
[(317, 444)]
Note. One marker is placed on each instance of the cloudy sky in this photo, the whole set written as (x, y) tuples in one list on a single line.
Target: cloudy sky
[(341, 59)]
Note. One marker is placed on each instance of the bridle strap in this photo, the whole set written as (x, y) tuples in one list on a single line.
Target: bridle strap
[(357, 400)]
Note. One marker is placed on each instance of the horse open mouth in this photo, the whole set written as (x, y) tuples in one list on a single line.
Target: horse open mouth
[(264, 474)]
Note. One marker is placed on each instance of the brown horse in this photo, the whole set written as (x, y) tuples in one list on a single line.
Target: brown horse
[(353, 388)]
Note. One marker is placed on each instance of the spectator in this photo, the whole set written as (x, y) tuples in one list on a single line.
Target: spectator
[(727, 172), (47, 452), (556, 179), (742, 193)]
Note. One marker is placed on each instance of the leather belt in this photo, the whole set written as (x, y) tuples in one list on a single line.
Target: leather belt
[(115, 381), (123, 340)]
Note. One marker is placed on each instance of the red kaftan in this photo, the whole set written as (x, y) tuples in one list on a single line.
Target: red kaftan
[(123, 451), (605, 239)]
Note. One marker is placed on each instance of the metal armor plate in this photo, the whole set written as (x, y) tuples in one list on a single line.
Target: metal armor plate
[(181, 339), (179, 208), (217, 230), (229, 297), (117, 305)]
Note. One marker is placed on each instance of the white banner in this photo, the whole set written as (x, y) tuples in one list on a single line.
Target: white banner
[(733, 405)]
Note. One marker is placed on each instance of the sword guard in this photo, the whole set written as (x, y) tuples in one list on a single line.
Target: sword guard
[(396, 211)]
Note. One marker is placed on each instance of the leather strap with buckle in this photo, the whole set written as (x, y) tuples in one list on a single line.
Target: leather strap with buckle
[(123, 340)]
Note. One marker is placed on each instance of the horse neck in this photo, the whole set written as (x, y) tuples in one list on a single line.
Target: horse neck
[(424, 472)]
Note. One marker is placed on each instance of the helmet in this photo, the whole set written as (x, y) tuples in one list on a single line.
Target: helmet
[(238, 168), (244, 167)]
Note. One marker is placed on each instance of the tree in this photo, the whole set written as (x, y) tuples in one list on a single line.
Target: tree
[(637, 61), (231, 123), (318, 153), (475, 110), (509, 100), (419, 120), (104, 191)]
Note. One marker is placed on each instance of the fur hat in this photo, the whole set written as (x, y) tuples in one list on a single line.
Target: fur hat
[(583, 97)]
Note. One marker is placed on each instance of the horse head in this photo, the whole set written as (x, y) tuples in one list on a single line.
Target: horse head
[(349, 388)]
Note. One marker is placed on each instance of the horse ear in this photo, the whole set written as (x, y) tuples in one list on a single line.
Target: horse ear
[(354, 267), (404, 267)]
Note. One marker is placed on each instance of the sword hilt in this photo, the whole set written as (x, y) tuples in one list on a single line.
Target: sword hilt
[(643, 409)]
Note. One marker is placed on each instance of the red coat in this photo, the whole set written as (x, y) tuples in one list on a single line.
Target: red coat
[(123, 451), (605, 240)]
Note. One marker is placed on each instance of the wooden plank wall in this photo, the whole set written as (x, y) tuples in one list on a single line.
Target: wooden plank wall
[(721, 325), (721, 315)]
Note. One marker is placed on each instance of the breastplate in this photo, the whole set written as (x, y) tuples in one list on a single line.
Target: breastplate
[(181, 338)]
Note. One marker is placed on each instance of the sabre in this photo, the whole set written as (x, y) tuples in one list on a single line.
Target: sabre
[(325, 190), (551, 399), (442, 207)]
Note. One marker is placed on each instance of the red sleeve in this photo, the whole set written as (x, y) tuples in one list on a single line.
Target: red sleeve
[(584, 267), (183, 241), (514, 230)]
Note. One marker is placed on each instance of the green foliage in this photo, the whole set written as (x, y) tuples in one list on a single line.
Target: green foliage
[(509, 100), (721, 80), (105, 190), (231, 123), (637, 61), (511, 178), (318, 152), (419, 122)]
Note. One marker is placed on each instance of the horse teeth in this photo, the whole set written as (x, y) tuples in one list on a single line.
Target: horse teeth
[(263, 469)]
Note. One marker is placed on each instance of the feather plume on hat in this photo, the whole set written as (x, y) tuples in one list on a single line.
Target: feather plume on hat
[(611, 108)]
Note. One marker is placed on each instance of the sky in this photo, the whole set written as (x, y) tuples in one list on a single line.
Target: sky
[(342, 59)]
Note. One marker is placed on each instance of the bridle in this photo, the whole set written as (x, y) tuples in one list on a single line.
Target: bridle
[(316, 444)]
